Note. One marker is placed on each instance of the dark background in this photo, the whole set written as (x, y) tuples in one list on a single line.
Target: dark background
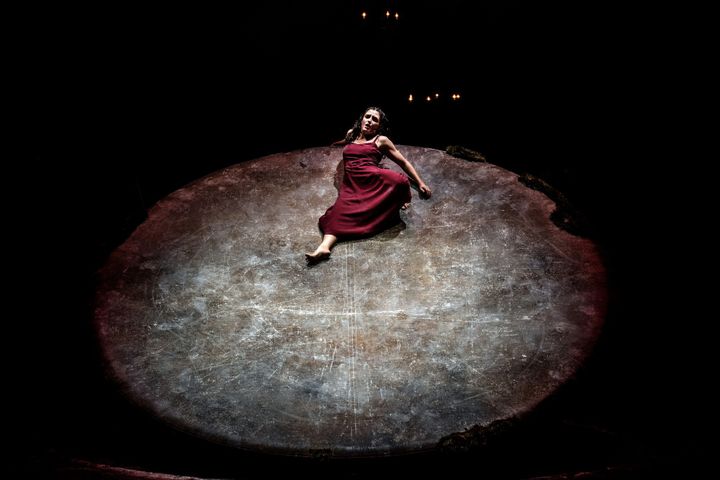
[(119, 106)]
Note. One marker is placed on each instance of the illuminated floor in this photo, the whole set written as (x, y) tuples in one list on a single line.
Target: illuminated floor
[(473, 310)]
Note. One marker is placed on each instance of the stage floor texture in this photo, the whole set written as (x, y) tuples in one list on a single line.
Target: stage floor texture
[(471, 311)]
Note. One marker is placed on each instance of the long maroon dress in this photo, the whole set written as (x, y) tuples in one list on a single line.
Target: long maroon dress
[(370, 196)]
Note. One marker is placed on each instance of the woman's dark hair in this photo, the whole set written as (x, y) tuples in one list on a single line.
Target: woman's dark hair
[(384, 128)]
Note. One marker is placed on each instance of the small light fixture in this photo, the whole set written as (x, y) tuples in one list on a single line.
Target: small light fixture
[(397, 16), (429, 98), (410, 98), (364, 15), (387, 14)]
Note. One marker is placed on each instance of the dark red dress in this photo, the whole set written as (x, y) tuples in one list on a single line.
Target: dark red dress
[(370, 196)]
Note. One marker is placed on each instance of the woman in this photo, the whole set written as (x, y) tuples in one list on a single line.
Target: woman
[(370, 196)]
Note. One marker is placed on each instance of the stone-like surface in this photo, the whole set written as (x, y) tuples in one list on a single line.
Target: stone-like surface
[(474, 310)]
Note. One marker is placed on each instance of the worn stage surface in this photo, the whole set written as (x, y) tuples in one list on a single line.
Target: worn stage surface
[(473, 310)]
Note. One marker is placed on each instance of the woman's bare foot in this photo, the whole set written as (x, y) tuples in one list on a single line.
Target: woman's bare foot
[(322, 252), (405, 206), (318, 255)]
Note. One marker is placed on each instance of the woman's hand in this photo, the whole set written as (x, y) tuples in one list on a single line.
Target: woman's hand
[(425, 191)]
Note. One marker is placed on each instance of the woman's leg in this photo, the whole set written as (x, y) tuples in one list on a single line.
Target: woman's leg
[(402, 187), (399, 186), (323, 250)]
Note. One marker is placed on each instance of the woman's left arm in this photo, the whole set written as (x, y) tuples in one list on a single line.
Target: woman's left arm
[(389, 149)]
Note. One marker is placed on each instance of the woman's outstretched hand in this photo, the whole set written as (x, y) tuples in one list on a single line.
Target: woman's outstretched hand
[(425, 191)]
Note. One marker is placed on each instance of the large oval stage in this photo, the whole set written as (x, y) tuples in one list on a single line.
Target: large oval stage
[(473, 310)]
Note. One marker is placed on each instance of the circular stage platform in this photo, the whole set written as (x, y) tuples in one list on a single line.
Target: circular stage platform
[(473, 310)]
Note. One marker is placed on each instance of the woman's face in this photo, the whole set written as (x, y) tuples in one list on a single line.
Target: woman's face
[(370, 122)]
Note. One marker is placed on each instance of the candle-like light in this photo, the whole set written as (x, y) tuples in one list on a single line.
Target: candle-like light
[(364, 15), (397, 16), (387, 14), (428, 98), (410, 98), (437, 95)]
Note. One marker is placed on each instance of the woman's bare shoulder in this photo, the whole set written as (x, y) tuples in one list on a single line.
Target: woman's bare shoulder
[(383, 141)]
